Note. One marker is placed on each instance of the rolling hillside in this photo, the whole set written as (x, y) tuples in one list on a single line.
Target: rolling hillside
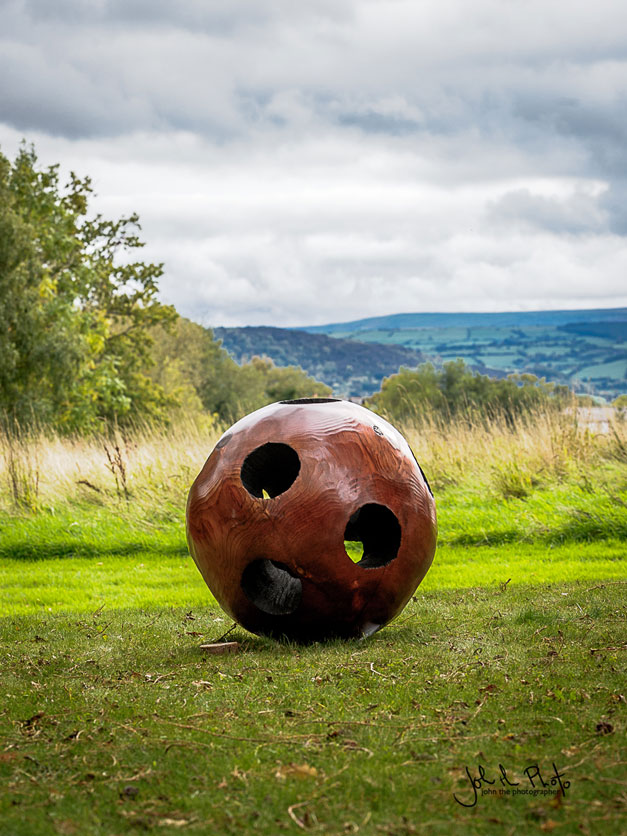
[(506, 319), (586, 349), (352, 368)]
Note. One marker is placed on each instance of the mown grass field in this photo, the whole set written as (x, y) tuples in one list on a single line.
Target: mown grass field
[(512, 654)]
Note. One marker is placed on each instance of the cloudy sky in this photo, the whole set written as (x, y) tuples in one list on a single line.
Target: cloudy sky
[(309, 161)]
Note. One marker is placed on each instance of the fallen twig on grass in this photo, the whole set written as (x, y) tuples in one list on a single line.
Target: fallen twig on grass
[(293, 816), (603, 585), (298, 741), (220, 647)]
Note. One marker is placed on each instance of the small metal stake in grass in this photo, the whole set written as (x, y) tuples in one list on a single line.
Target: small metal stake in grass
[(310, 520)]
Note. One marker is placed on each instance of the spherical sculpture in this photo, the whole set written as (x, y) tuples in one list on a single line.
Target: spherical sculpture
[(284, 488)]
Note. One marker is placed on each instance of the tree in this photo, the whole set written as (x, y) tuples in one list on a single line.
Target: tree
[(455, 389), (75, 308), (84, 340), (191, 365), (285, 383)]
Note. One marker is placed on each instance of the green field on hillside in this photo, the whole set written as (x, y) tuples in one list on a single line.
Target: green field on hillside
[(585, 349), (579, 360)]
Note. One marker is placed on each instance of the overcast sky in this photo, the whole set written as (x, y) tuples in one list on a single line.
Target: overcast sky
[(309, 161)]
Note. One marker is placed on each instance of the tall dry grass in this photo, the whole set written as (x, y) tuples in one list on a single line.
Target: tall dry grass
[(512, 456), (147, 467), (156, 468)]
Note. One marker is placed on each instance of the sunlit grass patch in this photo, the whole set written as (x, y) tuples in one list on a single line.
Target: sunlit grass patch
[(155, 570), (354, 549)]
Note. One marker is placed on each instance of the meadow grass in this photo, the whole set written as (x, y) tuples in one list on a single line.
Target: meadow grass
[(511, 652), (115, 722), (152, 572)]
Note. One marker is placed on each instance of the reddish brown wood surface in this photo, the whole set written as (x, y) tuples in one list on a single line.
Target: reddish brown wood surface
[(266, 524)]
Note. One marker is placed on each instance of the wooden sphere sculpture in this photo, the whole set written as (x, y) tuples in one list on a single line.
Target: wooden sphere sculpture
[(284, 488)]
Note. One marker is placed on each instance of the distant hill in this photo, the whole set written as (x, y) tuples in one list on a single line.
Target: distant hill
[(508, 319), (586, 349), (351, 368)]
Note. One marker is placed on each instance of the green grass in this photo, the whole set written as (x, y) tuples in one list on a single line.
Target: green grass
[(551, 515), (74, 530), (79, 557), (116, 722), (152, 580), (511, 652)]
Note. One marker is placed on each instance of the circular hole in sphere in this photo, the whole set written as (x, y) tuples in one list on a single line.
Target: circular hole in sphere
[(313, 400), (271, 587), (378, 529), (270, 470)]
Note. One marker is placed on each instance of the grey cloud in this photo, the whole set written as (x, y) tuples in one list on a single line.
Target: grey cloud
[(614, 202), (578, 214), (601, 127), (215, 17), (372, 121), (324, 156), (64, 101), (344, 58)]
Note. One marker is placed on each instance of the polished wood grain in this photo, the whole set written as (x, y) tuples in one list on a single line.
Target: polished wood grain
[(274, 556)]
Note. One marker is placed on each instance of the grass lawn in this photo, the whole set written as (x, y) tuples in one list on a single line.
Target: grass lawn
[(508, 666), (79, 557), (116, 722), (150, 579)]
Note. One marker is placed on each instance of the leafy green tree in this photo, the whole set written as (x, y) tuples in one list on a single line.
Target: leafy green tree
[(75, 308), (191, 365), (285, 383), (455, 390)]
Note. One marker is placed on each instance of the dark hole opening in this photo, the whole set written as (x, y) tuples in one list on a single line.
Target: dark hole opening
[(271, 587), (379, 531), (313, 400), (270, 470)]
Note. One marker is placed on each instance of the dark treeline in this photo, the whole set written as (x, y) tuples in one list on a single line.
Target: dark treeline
[(85, 342), (199, 375)]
